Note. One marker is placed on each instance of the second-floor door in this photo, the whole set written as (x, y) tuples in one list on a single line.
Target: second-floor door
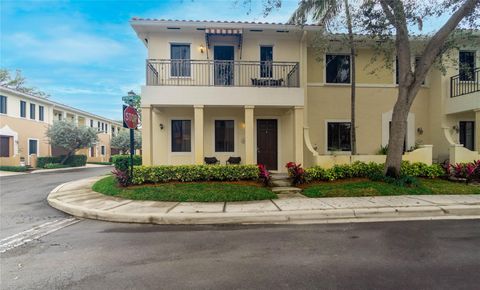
[(223, 57)]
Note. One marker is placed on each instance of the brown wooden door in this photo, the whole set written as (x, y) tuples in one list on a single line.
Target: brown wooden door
[(267, 146)]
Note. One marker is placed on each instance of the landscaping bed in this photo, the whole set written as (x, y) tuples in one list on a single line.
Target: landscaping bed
[(187, 191), (365, 187)]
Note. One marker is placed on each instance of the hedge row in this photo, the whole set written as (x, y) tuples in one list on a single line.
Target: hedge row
[(13, 168), (370, 170), (187, 173), (122, 162), (72, 161)]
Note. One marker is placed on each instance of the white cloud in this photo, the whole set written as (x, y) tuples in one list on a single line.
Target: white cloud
[(69, 47)]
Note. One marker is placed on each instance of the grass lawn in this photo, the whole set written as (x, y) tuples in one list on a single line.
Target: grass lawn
[(348, 188), (188, 191)]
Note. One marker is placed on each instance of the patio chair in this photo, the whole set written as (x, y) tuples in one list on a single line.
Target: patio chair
[(234, 160), (211, 160)]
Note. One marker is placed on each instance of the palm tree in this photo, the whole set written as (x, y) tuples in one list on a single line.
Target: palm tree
[(324, 11)]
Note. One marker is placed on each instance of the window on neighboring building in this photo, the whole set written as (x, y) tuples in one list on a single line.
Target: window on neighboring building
[(180, 57), (41, 113), (32, 111), (337, 68), (102, 150), (113, 131), (98, 126), (467, 134), (5, 146), (224, 136), (91, 123), (417, 60), (106, 128), (266, 58), (23, 109), (181, 136), (92, 151), (3, 105), (339, 136), (467, 65)]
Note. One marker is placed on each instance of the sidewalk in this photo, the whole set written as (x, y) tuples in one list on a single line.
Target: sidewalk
[(77, 198)]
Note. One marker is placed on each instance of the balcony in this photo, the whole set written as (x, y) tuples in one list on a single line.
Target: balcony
[(465, 83), (464, 92), (222, 73)]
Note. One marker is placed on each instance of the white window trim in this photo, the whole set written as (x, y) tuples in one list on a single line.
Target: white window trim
[(192, 137), (387, 118), (325, 70), (235, 136), (38, 146), (326, 136)]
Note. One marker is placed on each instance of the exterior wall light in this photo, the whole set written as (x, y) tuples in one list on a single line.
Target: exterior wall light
[(420, 131), (202, 48), (161, 126)]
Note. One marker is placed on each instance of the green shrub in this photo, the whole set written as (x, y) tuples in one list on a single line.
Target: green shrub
[(122, 162), (76, 160), (13, 168), (100, 163), (42, 161), (371, 170), (72, 161), (55, 166), (187, 173)]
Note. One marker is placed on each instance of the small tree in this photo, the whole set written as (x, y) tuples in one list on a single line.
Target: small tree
[(122, 141), (18, 83), (68, 136)]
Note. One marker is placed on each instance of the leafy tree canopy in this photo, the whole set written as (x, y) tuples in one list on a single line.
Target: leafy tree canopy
[(122, 140), (18, 83), (68, 136)]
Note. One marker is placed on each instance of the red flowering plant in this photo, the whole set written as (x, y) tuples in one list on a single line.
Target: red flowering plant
[(296, 173), (122, 177), (469, 171), (264, 175)]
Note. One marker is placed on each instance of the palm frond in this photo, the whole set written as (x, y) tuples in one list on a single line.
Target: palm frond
[(321, 11)]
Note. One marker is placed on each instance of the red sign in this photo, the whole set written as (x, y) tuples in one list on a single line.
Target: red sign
[(131, 117)]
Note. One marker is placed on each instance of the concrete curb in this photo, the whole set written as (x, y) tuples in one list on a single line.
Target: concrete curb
[(68, 168), (70, 198)]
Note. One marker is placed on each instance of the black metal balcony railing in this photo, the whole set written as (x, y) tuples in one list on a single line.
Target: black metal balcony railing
[(169, 72), (465, 83)]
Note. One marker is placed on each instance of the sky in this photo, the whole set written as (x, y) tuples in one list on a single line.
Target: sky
[(85, 54)]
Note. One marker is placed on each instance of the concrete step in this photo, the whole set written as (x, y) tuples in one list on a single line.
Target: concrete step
[(281, 183), (277, 176), (285, 189)]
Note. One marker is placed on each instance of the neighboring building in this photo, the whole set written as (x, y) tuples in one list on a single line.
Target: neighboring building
[(24, 120), (259, 91)]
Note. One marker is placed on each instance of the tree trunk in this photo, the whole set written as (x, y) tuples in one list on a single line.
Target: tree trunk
[(353, 135), (398, 131), (70, 153)]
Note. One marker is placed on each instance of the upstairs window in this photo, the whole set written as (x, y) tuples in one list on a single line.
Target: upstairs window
[(23, 109), (266, 58), (181, 136), (339, 136), (180, 58), (417, 60), (337, 69), (91, 123), (32, 111), (224, 136), (467, 65), (41, 113), (3, 105)]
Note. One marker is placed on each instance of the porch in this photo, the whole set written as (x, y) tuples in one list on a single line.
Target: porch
[(178, 135)]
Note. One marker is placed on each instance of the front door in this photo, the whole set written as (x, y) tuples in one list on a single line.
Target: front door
[(223, 58), (267, 146), (467, 134)]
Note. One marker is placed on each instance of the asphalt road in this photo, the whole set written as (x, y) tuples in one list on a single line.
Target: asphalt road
[(101, 255)]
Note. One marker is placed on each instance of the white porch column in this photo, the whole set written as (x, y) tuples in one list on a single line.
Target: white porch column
[(249, 135), (198, 116), (477, 130), (147, 153), (298, 134)]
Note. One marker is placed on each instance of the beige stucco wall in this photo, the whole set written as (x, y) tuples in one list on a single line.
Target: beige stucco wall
[(26, 129)]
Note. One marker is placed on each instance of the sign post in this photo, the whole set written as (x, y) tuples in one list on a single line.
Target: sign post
[(131, 120)]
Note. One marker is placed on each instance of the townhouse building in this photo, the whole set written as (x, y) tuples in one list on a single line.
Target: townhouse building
[(24, 120), (268, 94)]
